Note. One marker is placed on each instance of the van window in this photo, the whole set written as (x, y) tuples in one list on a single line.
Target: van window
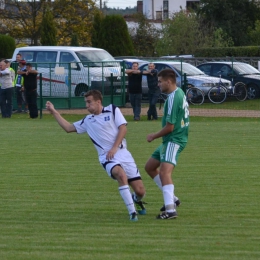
[(67, 57), (47, 57), (94, 58)]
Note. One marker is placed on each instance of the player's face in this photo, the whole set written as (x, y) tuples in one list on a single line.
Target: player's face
[(93, 106), (164, 85)]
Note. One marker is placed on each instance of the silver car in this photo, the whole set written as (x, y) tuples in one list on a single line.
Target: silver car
[(195, 77)]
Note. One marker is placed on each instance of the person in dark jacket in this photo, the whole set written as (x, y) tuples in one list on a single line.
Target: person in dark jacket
[(135, 89)]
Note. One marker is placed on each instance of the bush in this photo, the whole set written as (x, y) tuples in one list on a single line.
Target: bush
[(7, 46)]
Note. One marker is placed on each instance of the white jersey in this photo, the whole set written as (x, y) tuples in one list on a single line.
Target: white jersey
[(103, 128)]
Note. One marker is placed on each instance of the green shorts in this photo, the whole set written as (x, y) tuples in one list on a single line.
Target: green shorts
[(168, 152)]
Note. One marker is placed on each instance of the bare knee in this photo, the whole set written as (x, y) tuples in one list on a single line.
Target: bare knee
[(138, 187)]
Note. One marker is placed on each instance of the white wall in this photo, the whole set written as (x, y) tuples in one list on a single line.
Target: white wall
[(151, 6)]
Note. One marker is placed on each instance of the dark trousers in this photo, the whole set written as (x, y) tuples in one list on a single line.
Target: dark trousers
[(31, 98), (6, 101), (136, 100), (152, 112)]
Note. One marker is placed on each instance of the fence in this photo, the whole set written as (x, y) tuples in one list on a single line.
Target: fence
[(65, 84)]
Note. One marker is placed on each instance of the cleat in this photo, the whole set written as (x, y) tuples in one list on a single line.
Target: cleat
[(133, 216), (139, 206), (167, 215), (177, 203)]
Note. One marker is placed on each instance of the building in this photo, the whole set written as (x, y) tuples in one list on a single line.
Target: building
[(163, 9)]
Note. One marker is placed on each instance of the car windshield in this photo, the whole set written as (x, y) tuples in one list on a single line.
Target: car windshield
[(245, 69), (95, 58), (188, 69)]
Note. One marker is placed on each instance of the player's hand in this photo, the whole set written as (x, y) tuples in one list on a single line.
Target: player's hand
[(49, 106), (150, 138), (111, 153)]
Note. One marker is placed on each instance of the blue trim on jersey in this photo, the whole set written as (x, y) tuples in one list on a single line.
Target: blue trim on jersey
[(96, 143)]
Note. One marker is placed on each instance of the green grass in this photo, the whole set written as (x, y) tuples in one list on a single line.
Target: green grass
[(56, 201)]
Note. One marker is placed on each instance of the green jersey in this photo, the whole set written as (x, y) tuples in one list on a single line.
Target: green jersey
[(176, 112)]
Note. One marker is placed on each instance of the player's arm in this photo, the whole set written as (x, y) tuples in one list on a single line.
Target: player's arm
[(68, 127), (120, 136), (168, 128)]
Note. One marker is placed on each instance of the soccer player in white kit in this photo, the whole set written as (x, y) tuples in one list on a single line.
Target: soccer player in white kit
[(106, 127)]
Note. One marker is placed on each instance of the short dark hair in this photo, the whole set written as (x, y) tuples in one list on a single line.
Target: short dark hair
[(168, 74), (28, 64), (96, 94), (135, 63)]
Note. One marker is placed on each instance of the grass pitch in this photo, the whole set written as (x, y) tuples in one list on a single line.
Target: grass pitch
[(56, 201)]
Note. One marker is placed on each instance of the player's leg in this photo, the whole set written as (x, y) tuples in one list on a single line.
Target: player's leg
[(170, 153), (152, 169), (118, 173)]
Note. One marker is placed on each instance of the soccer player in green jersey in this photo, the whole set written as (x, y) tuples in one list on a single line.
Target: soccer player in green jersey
[(174, 133)]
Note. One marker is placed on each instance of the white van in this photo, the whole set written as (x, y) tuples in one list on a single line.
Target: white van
[(89, 68)]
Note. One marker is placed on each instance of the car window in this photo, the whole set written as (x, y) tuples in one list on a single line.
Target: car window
[(216, 68), (67, 57), (206, 68), (226, 70)]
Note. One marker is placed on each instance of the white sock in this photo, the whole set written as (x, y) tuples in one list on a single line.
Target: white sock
[(158, 182), (127, 198), (168, 197)]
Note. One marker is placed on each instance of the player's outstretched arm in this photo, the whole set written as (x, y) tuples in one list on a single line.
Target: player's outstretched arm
[(168, 128), (68, 127)]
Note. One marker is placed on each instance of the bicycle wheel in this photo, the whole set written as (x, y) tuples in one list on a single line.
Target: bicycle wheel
[(195, 96), (217, 94), (240, 91)]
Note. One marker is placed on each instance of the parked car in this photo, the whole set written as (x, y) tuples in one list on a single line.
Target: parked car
[(195, 77), (236, 71)]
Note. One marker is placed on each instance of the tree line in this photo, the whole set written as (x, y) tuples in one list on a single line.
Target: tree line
[(213, 23)]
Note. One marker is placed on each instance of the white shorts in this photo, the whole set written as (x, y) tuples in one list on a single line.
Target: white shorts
[(124, 159)]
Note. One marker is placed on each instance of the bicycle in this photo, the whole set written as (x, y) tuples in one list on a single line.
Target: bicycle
[(218, 94), (194, 96)]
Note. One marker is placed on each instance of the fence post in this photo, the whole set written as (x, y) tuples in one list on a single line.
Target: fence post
[(41, 100), (185, 83), (69, 84), (112, 88)]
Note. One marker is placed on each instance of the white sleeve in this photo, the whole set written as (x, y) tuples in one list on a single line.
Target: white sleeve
[(119, 118), (81, 126)]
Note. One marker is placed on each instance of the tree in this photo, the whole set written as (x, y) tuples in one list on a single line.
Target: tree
[(22, 19), (98, 17), (7, 46), (48, 30), (254, 34), (180, 35), (114, 36), (74, 40), (144, 37), (233, 17)]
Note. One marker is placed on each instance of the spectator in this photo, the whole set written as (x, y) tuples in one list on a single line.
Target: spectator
[(19, 88), (153, 91), (6, 93), (135, 89), (30, 87)]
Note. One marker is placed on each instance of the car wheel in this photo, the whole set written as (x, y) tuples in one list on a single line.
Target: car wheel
[(252, 91), (80, 90)]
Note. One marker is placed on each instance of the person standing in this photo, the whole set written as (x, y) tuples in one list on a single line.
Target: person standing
[(135, 89), (19, 88), (6, 93), (106, 127), (30, 87), (153, 91), (174, 133)]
